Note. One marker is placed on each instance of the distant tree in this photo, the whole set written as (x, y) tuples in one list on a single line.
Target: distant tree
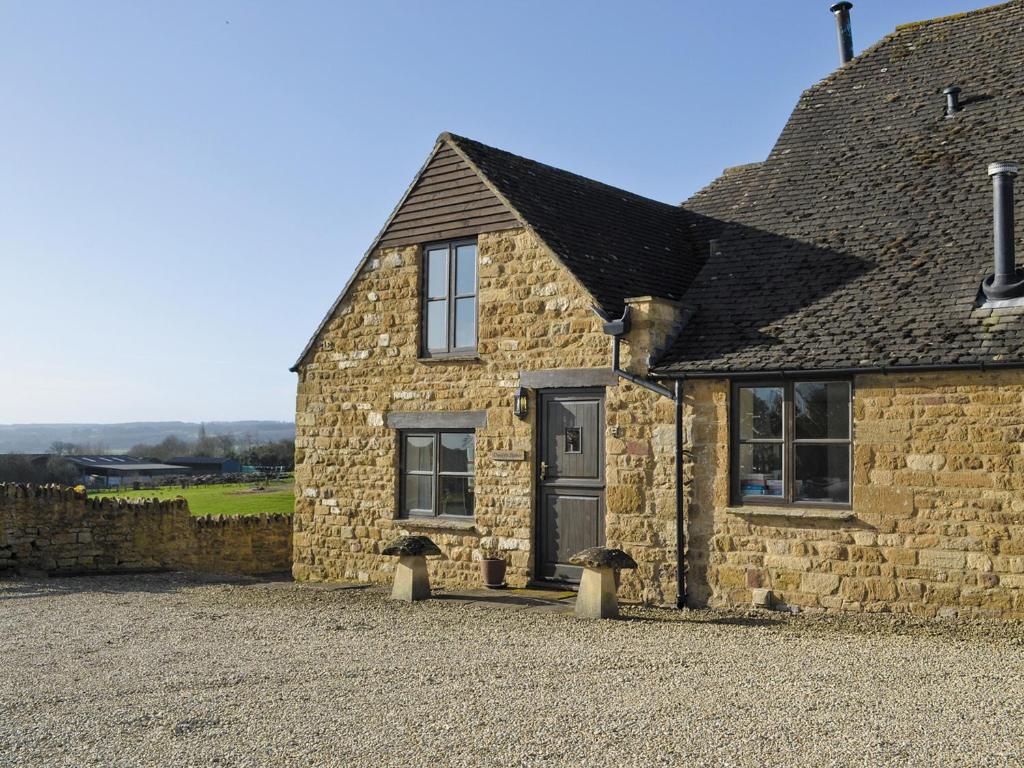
[(60, 448), (57, 470), (87, 449), (277, 454), (167, 448), (18, 468), (213, 445), (226, 445)]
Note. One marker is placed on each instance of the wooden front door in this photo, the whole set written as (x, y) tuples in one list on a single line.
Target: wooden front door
[(570, 470)]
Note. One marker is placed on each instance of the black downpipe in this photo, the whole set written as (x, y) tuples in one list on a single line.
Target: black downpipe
[(640, 381), (680, 502)]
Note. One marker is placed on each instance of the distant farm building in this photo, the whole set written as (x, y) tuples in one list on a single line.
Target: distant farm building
[(208, 465), (118, 471)]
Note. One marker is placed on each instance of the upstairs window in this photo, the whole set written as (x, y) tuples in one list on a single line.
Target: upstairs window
[(449, 298), (792, 443)]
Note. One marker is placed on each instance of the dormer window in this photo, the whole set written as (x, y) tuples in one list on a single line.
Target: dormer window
[(449, 298)]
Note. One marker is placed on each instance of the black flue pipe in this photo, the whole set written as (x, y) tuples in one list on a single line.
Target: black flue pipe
[(843, 30), (1005, 283)]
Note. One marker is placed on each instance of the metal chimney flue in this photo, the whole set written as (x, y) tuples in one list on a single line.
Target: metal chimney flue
[(843, 30), (952, 100), (1007, 282)]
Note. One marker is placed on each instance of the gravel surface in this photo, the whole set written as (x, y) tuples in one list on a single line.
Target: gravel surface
[(171, 670)]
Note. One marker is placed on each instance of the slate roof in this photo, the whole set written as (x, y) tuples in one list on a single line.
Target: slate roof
[(616, 243), (863, 238), (119, 462)]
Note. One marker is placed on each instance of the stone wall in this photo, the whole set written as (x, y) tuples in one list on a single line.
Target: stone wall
[(938, 505), (59, 531), (533, 315)]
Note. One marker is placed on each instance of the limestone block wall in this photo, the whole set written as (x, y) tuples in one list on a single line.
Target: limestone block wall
[(938, 505), (56, 530), (533, 315)]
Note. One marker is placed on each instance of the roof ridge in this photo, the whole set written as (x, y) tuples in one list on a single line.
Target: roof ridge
[(841, 70), (954, 16), (447, 135)]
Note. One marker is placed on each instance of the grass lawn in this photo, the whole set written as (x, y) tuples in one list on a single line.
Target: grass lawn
[(228, 499)]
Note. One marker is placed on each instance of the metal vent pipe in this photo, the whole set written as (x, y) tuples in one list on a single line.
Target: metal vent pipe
[(1006, 282), (952, 100), (843, 30)]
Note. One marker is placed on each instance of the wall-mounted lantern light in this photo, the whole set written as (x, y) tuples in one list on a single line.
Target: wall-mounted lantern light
[(521, 404)]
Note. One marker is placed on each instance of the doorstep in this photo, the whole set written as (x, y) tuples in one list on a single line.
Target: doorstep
[(533, 600)]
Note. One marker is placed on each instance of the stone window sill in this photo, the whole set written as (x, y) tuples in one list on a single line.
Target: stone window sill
[(796, 513), (436, 524), (451, 359)]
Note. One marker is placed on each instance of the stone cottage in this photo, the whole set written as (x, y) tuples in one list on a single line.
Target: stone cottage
[(805, 384)]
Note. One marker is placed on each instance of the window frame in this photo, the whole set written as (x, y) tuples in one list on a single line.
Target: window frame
[(436, 474), (451, 297), (789, 444)]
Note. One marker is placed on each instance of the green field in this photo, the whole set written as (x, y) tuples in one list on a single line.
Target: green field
[(229, 499)]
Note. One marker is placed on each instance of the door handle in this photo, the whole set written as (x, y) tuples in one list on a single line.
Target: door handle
[(543, 470)]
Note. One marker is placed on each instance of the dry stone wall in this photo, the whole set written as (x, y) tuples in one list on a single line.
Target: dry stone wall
[(533, 315), (56, 530), (938, 505)]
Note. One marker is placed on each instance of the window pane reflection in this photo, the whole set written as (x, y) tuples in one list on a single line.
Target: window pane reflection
[(457, 494), (437, 325), (822, 410), (457, 451), (465, 323), (822, 473), (465, 269), (419, 493), (761, 413), (761, 469), (419, 453), (437, 274)]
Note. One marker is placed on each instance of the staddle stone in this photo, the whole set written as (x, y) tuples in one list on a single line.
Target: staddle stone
[(411, 546), (411, 580), (603, 557), (597, 598)]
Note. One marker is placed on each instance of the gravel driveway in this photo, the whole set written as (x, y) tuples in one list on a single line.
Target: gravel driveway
[(171, 670)]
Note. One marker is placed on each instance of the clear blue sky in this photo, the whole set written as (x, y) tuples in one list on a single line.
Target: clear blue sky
[(188, 185)]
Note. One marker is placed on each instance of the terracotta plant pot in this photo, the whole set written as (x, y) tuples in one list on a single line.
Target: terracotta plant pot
[(493, 572)]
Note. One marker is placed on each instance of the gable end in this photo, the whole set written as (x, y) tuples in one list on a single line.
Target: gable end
[(448, 200)]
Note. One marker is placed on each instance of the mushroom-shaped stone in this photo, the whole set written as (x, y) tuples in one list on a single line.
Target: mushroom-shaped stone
[(604, 557), (412, 546), (411, 580), (597, 598)]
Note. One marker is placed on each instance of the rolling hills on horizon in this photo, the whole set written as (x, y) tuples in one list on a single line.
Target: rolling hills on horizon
[(118, 438)]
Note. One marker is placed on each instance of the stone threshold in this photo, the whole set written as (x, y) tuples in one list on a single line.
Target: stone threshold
[(796, 513), (427, 524)]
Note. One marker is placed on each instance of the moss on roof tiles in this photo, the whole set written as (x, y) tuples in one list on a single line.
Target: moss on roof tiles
[(864, 236)]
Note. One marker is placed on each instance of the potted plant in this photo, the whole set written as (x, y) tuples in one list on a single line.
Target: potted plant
[(492, 569)]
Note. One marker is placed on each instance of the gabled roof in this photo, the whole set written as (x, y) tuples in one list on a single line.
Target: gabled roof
[(616, 244), (863, 238)]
